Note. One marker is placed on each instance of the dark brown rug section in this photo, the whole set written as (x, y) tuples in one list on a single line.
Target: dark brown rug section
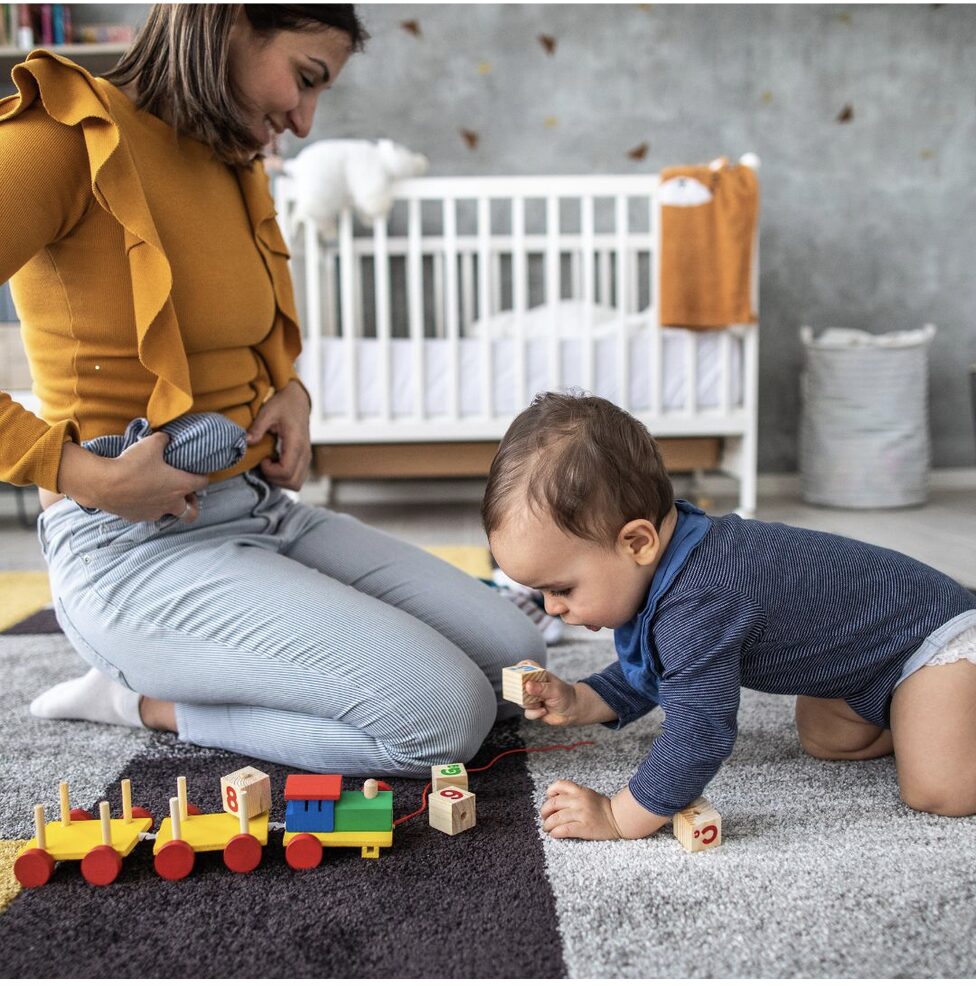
[(475, 905), (43, 621)]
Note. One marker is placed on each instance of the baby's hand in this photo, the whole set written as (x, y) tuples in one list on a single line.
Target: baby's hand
[(574, 812), (557, 698)]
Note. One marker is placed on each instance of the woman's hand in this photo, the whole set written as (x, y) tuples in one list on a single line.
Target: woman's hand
[(138, 485), (286, 416)]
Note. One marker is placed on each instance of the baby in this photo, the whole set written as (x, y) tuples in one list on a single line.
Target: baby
[(879, 649)]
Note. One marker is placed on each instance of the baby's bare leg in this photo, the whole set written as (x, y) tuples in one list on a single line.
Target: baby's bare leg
[(933, 722), (831, 730)]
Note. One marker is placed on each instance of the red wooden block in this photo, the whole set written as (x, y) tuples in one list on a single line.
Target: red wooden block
[(175, 860), (304, 852), (33, 868), (243, 853), (313, 787)]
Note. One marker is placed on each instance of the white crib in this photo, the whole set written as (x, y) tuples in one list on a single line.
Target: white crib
[(440, 324)]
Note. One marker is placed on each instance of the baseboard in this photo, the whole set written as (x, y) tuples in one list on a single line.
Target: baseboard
[(471, 490)]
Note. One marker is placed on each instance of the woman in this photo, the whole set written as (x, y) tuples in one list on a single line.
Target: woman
[(152, 281)]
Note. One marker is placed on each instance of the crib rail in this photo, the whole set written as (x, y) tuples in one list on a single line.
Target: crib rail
[(471, 280)]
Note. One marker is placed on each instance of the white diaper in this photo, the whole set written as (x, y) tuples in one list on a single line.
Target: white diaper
[(953, 641)]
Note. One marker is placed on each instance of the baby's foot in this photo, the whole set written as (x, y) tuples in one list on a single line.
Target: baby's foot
[(94, 697)]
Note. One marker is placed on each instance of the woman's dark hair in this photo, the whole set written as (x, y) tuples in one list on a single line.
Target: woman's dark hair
[(179, 64)]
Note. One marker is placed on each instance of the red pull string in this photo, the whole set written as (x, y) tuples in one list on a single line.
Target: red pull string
[(491, 763)]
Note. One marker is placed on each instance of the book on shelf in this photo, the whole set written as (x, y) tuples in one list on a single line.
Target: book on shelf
[(26, 25)]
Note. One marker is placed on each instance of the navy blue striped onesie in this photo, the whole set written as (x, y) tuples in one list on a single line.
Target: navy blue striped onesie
[(741, 603)]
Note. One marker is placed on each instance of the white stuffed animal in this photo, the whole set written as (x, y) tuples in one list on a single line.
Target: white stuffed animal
[(332, 174)]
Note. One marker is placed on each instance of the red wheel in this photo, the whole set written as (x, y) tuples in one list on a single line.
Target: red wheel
[(80, 815), (33, 867), (138, 812), (101, 865), (243, 853), (304, 852), (192, 809), (175, 860)]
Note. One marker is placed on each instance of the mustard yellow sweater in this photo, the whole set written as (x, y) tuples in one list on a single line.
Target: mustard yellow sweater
[(151, 280)]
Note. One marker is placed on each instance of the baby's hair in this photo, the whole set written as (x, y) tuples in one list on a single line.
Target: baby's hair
[(585, 462)]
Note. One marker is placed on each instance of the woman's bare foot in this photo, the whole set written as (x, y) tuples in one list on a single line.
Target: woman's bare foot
[(157, 714)]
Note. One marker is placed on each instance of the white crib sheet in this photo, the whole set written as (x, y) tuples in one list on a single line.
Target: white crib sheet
[(507, 398)]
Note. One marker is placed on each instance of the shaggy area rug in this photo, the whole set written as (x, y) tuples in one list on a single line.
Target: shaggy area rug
[(822, 872)]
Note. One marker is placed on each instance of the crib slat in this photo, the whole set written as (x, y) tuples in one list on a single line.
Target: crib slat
[(519, 297), (381, 274), (347, 280), (467, 291), (449, 267), (691, 341), (588, 342), (622, 294), (604, 295), (657, 340), (553, 291), (484, 305), (415, 280), (725, 373), (313, 316)]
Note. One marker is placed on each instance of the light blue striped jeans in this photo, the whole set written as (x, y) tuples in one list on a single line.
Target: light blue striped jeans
[(287, 632)]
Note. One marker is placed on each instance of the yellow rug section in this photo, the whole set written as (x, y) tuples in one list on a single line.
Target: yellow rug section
[(469, 558), (9, 887), (21, 595)]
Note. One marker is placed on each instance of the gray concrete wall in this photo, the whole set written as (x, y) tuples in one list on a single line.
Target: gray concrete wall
[(869, 223)]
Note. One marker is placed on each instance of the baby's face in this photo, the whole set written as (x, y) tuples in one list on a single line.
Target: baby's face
[(585, 584)]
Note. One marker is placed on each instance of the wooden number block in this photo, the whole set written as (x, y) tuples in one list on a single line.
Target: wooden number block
[(448, 775), (514, 679), (451, 810), (258, 787), (699, 826)]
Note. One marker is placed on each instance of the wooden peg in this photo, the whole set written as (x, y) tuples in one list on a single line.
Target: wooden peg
[(448, 775), (175, 818), (698, 827), (105, 818), (127, 800), (243, 813), (451, 810), (514, 679), (370, 788), (40, 832), (65, 803), (181, 795)]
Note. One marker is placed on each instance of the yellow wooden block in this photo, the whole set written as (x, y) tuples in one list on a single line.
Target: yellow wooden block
[(207, 833), (514, 679), (76, 840), (698, 827), (22, 594), (448, 775)]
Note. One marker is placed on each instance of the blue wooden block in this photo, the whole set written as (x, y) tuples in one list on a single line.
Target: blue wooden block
[(310, 816)]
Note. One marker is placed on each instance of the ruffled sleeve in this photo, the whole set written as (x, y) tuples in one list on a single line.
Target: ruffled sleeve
[(69, 95)]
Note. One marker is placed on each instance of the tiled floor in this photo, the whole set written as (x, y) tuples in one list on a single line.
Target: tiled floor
[(942, 533)]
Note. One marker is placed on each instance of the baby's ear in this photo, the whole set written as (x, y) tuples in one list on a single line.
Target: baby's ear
[(639, 538)]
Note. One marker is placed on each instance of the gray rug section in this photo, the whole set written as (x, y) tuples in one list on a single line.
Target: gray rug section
[(823, 872), (38, 753)]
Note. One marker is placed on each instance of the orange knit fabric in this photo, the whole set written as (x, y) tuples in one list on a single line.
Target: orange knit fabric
[(706, 250), (150, 279)]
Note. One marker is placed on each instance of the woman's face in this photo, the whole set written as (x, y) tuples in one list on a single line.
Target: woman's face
[(279, 80)]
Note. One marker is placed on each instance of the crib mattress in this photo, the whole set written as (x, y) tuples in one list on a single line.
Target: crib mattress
[(507, 398)]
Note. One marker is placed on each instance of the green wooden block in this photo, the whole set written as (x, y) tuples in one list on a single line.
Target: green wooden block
[(354, 812)]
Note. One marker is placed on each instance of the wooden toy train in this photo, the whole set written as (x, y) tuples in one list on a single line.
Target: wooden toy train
[(318, 813)]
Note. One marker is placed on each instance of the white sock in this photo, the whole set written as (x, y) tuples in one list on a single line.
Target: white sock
[(94, 697)]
